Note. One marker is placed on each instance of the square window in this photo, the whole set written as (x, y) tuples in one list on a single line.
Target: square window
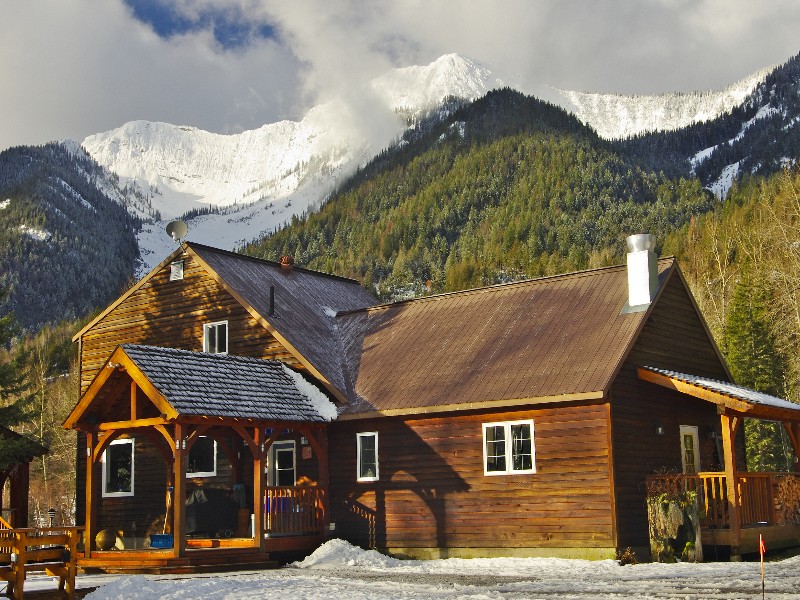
[(215, 337), (367, 448), (508, 448), (117, 463), (176, 270), (202, 461)]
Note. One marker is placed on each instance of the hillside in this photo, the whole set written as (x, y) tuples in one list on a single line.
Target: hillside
[(66, 247), (504, 188)]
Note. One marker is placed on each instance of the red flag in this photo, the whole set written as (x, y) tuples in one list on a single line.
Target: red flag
[(762, 546)]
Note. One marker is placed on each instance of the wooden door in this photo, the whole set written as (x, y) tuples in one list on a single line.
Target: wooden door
[(690, 449)]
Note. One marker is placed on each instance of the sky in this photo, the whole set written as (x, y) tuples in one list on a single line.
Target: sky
[(71, 68)]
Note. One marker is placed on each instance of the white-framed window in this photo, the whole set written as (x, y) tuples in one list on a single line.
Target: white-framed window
[(367, 448), (215, 337), (283, 463), (118, 465), (508, 448), (202, 461), (176, 270)]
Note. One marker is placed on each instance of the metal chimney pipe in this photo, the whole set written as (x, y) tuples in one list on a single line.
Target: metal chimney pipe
[(642, 269), (271, 300)]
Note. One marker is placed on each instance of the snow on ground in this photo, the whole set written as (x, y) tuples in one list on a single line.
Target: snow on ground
[(339, 570)]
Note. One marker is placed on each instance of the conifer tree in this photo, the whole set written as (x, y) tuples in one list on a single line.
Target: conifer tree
[(15, 397), (756, 362)]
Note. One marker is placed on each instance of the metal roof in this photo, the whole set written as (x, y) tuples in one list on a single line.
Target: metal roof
[(220, 385), (306, 303), (561, 337), (731, 390)]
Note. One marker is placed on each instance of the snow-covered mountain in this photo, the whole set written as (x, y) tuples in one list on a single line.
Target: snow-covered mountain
[(258, 179), (616, 116), (238, 187)]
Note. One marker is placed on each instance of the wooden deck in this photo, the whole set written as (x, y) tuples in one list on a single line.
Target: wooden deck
[(768, 505)]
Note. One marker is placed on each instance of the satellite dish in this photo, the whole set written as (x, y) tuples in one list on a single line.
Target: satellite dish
[(177, 230)]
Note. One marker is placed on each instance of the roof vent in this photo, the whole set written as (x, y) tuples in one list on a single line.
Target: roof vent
[(287, 263), (642, 271)]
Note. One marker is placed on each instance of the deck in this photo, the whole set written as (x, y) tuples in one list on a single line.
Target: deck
[(768, 504), (294, 522)]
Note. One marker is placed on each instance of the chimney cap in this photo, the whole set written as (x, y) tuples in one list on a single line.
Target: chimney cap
[(287, 262), (640, 242)]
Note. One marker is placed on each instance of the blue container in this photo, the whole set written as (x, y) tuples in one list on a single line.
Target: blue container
[(161, 540)]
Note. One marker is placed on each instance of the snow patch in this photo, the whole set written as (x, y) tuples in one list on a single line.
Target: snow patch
[(40, 235), (320, 402), (5, 203), (337, 553), (329, 311), (722, 185)]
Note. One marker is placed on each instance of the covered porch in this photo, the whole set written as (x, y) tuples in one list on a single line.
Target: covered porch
[(192, 462), (736, 506)]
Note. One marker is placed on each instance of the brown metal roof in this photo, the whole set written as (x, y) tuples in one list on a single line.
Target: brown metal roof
[(553, 338), (305, 305)]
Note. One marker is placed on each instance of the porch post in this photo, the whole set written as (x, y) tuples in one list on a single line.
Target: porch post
[(729, 426), (18, 494), (258, 488), (179, 493), (88, 532), (324, 480)]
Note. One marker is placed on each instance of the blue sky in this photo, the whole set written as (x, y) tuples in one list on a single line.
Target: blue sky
[(232, 27), (76, 67)]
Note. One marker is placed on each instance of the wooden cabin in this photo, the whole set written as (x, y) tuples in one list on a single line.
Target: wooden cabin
[(16, 479), (520, 419)]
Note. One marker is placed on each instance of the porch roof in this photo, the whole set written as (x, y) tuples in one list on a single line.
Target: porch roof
[(198, 384), (723, 393)]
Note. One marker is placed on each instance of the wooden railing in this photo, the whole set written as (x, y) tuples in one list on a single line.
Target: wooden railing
[(295, 510), (48, 549), (757, 495)]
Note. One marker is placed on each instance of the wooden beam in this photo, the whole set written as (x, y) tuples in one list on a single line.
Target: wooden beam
[(179, 495), (729, 426), (258, 490), (793, 430), (134, 389), (134, 424), (88, 532), (104, 443)]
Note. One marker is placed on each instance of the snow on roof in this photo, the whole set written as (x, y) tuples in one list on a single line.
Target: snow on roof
[(729, 389)]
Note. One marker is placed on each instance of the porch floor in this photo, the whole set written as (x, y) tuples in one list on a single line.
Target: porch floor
[(776, 537), (216, 556)]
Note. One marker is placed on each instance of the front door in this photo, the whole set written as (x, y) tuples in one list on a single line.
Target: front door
[(690, 449)]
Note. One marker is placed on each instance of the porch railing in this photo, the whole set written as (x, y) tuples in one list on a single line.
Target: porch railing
[(763, 497), (294, 510)]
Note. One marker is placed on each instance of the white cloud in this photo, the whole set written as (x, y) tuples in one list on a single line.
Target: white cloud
[(76, 67)]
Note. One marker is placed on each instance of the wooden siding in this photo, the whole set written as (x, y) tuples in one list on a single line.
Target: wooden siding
[(171, 314), (433, 492), (672, 338)]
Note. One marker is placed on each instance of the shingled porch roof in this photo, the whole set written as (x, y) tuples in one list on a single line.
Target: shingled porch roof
[(181, 383)]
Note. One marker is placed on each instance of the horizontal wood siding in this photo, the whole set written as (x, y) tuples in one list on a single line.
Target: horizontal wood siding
[(673, 338), (172, 314), (433, 492)]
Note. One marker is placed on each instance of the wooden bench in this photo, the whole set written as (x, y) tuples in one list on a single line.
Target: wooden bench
[(48, 549)]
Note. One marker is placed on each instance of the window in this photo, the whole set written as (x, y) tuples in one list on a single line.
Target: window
[(202, 458), (215, 337), (367, 456), (283, 463), (508, 448), (176, 270), (118, 469)]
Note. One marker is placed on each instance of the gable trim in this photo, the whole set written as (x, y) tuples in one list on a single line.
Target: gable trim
[(117, 360), (489, 404)]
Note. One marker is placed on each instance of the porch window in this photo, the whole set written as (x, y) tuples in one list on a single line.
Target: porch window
[(117, 463), (367, 443), (202, 458), (215, 337), (508, 448), (284, 463)]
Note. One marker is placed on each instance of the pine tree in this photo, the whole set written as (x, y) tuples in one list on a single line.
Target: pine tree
[(756, 362), (15, 397)]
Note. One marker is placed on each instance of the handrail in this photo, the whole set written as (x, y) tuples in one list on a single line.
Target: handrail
[(294, 510), (756, 492)]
